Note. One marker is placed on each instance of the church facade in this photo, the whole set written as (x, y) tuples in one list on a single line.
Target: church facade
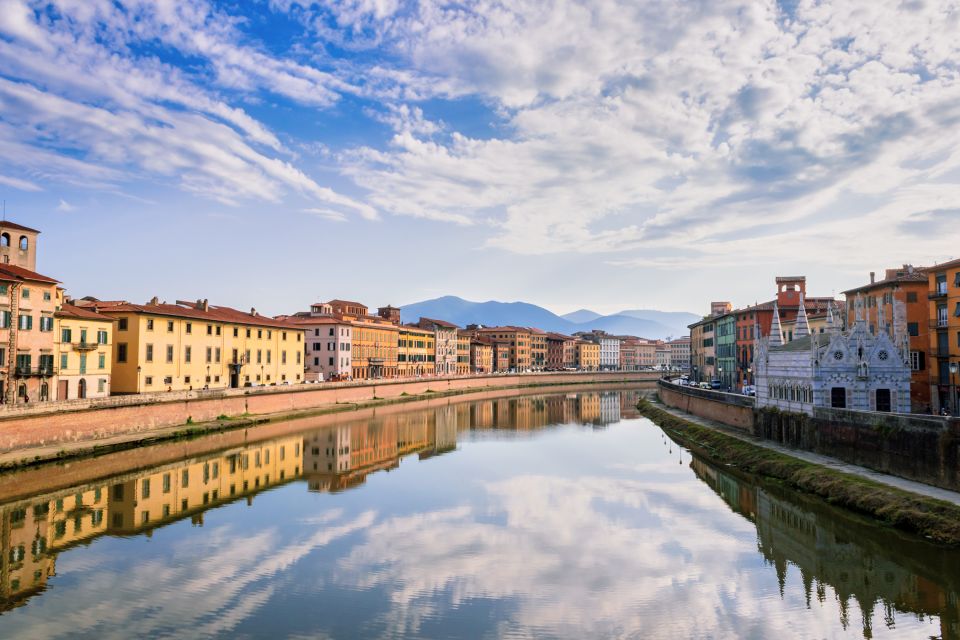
[(842, 369)]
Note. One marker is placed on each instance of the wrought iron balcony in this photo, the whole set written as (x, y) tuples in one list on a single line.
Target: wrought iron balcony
[(937, 293), (940, 323), (31, 372), (85, 346)]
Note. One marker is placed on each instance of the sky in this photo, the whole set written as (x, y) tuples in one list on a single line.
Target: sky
[(604, 154)]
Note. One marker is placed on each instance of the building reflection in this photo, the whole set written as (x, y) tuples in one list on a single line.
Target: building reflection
[(883, 572), (334, 458)]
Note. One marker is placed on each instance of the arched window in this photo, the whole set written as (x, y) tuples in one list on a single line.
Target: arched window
[(4, 239), (24, 243)]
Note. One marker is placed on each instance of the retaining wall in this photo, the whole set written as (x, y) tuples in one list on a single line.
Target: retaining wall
[(729, 408), (91, 420)]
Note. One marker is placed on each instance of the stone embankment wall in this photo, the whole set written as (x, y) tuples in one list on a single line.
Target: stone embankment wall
[(729, 408), (89, 420), (918, 447)]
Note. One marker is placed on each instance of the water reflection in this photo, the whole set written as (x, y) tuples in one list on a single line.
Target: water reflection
[(534, 516), (882, 572), (36, 530)]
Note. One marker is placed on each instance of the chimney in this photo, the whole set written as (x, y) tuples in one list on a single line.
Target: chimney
[(206, 305), (873, 277), (253, 311), (154, 300)]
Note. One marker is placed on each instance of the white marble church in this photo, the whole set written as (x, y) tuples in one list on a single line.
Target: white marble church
[(853, 369)]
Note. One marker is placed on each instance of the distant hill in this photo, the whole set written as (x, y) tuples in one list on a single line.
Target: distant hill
[(581, 315), (646, 324)]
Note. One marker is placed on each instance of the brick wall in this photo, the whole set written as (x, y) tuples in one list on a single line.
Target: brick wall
[(729, 408)]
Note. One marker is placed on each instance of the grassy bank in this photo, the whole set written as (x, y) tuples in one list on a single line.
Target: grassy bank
[(934, 519)]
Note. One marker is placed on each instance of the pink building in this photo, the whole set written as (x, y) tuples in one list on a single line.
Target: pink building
[(327, 347)]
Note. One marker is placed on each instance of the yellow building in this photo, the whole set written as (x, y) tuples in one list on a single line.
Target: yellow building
[(375, 338), (187, 345), (588, 355), (463, 353), (518, 339), (538, 349), (415, 351), (481, 356), (83, 345)]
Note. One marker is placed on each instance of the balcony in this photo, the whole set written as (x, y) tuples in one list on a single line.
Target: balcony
[(85, 346), (939, 292), (939, 323), (33, 372)]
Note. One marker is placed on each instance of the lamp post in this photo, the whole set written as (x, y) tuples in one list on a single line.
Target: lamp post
[(953, 387), (139, 369), (720, 374)]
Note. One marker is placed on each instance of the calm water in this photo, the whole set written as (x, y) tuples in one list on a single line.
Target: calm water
[(563, 516)]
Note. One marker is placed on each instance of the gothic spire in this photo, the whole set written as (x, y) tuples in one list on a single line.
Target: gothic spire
[(802, 328), (776, 331)]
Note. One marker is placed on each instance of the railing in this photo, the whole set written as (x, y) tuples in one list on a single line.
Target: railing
[(85, 346), (939, 323), (29, 372), (938, 293)]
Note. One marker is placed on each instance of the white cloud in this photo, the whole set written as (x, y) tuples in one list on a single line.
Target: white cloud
[(65, 206)]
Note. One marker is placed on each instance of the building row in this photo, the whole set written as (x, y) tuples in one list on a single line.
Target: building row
[(54, 347), (910, 318)]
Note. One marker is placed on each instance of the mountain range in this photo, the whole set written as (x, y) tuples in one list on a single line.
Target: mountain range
[(646, 323)]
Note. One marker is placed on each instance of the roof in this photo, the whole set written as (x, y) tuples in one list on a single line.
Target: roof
[(14, 225), (71, 311), (800, 344), (345, 303), (310, 320), (13, 272), (945, 265), (440, 323), (918, 275), (211, 314), (559, 336)]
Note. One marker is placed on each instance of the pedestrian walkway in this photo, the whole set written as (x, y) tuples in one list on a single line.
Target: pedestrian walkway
[(825, 461)]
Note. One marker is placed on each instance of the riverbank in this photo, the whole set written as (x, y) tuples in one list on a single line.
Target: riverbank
[(97, 442), (934, 519)]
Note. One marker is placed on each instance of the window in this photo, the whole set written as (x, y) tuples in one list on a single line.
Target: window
[(317, 346), (166, 483), (148, 355), (102, 385), (46, 323), (330, 362), (66, 335), (102, 337), (217, 354), (236, 332), (4, 319), (149, 324), (185, 479), (269, 356), (189, 328), (911, 296), (209, 354), (64, 361), (248, 333), (46, 296), (169, 353), (332, 331), (148, 381), (209, 329), (24, 243), (168, 380), (259, 334), (102, 361), (122, 324), (145, 489), (25, 293), (122, 352), (218, 329), (283, 357), (26, 323), (169, 326), (259, 356), (187, 353)]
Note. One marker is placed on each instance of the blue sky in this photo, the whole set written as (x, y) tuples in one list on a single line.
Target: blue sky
[(605, 154)]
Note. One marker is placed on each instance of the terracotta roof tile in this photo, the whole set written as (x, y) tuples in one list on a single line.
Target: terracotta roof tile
[(13, 272)]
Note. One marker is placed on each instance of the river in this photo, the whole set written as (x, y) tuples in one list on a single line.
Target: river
[(539, 516)]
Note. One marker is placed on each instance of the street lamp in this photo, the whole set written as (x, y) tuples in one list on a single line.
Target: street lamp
[(139, 369), (953, 387)]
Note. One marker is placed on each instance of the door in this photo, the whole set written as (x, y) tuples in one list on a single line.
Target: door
[(82, 388), (63, 390), (883, 400), (838, 397)]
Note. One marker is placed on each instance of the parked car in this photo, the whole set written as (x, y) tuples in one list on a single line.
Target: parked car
[(715, 384), (749, 390), (704, 385)]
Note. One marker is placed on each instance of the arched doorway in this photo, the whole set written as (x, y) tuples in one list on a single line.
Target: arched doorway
[(82, 388), (44, 392)]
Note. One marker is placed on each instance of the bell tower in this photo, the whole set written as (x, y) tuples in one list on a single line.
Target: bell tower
[(18, 245)]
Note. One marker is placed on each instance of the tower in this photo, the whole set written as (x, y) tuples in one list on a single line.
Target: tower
[(18, 245)]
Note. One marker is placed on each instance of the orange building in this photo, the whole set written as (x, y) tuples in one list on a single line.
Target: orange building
[(463, 353), (561, 352), (588, 355), (538, 349), (908, 285), (519, 340), (375, 345), (943, 293)]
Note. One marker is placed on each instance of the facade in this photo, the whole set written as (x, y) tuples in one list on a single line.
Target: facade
[(588, 355), (327, 344), (416, 351), (517, 339), (662, 353), (463, 353), (909, 286), (195, 345), (481, 356), (859, 369), (609, 347), (538, 349), (373, 350), (680, 354), (726, 350), (28, 302), (629, 353), (943, 294), (647, 353), (561, 353), (84, 352), (445, 345)]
